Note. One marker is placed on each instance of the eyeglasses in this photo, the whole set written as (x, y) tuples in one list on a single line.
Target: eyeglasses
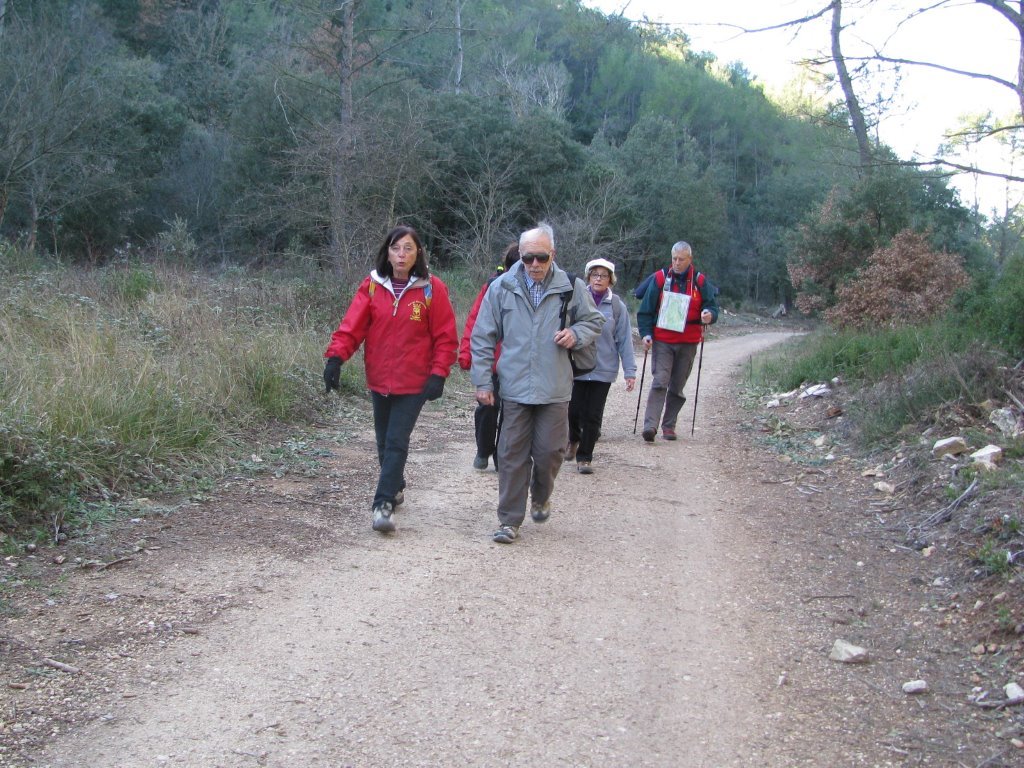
[(529, 258), (600, 276)]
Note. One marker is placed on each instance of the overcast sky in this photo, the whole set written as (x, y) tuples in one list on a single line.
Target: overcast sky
[(964, 36)]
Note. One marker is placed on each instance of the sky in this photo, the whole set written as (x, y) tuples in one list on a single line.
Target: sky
[(965, 36)]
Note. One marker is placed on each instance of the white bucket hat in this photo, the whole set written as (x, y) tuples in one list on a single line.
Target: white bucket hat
[(601, 263)]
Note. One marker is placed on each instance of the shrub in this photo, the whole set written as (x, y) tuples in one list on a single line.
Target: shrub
[(902, 284)]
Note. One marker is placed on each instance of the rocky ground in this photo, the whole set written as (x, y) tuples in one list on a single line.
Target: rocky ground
[(679, 609)]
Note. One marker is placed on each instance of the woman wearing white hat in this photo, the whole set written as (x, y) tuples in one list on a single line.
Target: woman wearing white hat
[(614, 347)]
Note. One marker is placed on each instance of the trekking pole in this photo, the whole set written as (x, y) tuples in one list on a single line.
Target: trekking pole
[(696, 391), (640, 392)]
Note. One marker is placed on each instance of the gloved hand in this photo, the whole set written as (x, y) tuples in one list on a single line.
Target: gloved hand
[(434, 387), (332, 374)]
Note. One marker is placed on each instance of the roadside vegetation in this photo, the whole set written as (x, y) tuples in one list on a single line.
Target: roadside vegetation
[(139, 376), (903, 386)]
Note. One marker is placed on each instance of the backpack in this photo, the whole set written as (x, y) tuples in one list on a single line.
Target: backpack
[(582, 358)]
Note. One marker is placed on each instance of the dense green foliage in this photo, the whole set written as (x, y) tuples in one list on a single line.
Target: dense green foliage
[(227, 122)]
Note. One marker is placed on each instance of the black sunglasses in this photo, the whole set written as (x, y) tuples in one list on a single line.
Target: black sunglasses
[(529, 258)]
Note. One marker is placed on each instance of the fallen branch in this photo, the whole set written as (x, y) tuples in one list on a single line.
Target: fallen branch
[(946, 513), (112, 563), (61, 666), (828, 597), (998, 704)]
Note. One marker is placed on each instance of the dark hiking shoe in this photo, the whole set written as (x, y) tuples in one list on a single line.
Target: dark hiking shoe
[(506, 534), (540, 512), (570, 451), (584, 468), (382, 513), (480, 462), (399, 498), (668, 433), (648, 435)]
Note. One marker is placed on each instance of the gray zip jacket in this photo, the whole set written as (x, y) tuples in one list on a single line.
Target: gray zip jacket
[(614, 344), (532, 369)]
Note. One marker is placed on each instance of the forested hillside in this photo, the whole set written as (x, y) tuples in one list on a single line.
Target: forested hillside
[(253, 132)]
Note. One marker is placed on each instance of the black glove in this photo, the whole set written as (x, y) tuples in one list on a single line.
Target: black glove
[(434, 387), (332, 374)]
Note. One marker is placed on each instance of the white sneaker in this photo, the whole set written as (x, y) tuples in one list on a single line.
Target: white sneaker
[(382, 517)]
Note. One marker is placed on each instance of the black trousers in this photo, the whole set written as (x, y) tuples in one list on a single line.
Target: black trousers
[(586, 412)]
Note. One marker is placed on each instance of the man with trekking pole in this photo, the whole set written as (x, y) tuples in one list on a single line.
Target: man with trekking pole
[(678, 303)]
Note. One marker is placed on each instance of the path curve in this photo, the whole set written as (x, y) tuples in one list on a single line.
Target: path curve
[(623, 632)]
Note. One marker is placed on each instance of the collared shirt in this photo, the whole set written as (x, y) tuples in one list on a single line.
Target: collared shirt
[(536, 289)]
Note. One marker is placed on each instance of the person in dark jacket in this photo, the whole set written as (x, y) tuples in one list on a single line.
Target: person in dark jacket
[(678, 303), (402, 316), (485, 418)]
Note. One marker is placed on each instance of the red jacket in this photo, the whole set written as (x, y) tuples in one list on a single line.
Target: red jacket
[(406, 340), (465, 357)]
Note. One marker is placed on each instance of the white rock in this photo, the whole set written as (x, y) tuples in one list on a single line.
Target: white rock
[(1007, 422), (949, 446), (819, 441), (774, 403), (990, 454), (816, 390), (848, 653), (915, 686), (1013, 692), (884, 487)]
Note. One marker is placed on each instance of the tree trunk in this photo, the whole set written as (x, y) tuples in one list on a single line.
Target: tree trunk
[(343, 154), (860, 129), (1016, 17), (458, 46)]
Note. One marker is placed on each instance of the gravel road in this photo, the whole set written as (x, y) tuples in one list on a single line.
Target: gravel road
[(624, 632)]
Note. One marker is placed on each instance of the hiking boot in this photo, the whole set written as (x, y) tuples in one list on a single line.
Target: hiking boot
[(480, 462), (570, 451), (382, 521), (584, 468), (648, 435), (540, 512), (668, 433), (506, 534)]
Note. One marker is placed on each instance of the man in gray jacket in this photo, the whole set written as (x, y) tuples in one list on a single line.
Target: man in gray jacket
[(522, 310)]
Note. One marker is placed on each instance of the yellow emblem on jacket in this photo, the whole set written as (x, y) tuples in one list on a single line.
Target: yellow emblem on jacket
[(417, 309)]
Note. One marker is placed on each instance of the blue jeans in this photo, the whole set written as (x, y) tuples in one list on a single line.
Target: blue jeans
[(394, 416)]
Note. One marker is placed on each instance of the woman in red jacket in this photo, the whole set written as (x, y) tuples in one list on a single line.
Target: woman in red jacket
[(405, 319)]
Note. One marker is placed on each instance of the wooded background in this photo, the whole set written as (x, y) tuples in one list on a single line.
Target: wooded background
[(259, 131)]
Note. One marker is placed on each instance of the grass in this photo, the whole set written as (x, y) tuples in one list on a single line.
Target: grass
[(117, 378), (907, 376)]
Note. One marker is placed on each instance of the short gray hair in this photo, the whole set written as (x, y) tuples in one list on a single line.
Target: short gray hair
[(682, 245), (542, 228)]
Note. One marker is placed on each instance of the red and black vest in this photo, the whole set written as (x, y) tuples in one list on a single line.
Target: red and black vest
[(691, 286)]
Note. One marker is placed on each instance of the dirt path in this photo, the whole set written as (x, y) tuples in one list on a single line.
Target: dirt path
[(651, 622)]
